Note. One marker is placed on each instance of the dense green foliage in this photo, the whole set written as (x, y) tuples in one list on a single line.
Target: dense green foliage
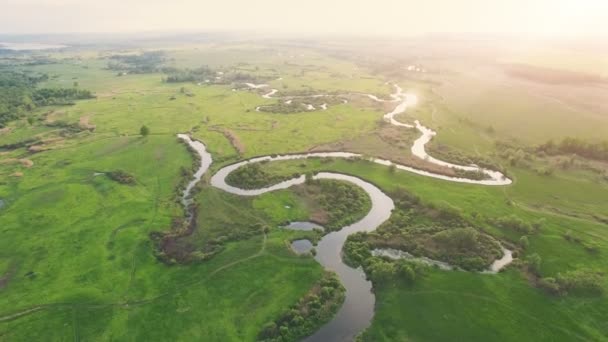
[(336, 204), (59, 96), (122, 177), (316, 308), (437, 232), (517, 224), (583, 282), (144, 131), (253, 176), (382, 271), (444, 152)]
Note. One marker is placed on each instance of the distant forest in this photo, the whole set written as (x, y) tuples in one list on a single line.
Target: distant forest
[(145, 63), (19, 95)]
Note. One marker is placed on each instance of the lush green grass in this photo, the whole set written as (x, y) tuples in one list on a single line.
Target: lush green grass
[(475, 307), (78, 244), (85, 239)]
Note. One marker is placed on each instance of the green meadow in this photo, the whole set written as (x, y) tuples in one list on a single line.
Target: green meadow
[(77, 261)]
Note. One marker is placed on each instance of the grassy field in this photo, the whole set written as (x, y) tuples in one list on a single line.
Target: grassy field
[(457, 304), (76, 246), (77, 262)]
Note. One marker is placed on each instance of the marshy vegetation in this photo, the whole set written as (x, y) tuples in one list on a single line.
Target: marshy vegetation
[(437, 232)]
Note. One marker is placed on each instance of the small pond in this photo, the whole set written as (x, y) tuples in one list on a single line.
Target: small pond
[(301, 246), (303, 225)]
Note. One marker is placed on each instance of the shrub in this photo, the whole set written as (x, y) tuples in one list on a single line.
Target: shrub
[(523, 242), (144, 131), (515, 223), (550, 285), (457, 238), (534, 261), (583, 281), (121, 177), (306, 316)]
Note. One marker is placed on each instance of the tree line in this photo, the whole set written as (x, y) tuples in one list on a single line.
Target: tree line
[(145, 63), (569, 145)]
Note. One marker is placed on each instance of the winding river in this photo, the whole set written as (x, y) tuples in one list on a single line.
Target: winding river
[(356, 313), (418, 149)]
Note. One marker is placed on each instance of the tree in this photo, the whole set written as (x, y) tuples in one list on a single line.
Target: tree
[(381, 271), (406, 272), (523, 242), (534, 261), (144, 131)]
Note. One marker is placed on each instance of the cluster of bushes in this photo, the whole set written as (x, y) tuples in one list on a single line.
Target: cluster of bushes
[(596, 151), (240, 77), (121, 177), (567, 153), (345, 203), (175, 247), (381, 271), (295, 106), (581, 282), (533, 263), (147, 62), (188, 75), (305, 317), (253, 176), (466, 247), (23, 143), (515, 223), (59, 96), (439, 232), (447, 153), (515, 155), (463, 247), (357, 252), (546, 170), (475, 175)]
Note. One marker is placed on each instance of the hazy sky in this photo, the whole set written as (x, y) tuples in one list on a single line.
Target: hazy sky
[(547, 17)]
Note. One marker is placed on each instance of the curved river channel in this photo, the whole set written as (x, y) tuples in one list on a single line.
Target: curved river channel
[(356, 313)]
